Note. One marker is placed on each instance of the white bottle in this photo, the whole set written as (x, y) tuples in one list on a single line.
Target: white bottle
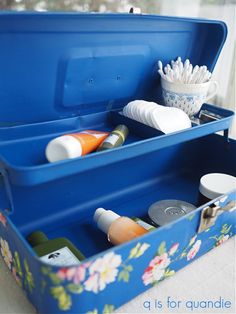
[(74, 145), (118, 229)]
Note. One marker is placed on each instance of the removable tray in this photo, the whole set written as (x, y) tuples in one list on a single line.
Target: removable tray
[(22, 148)]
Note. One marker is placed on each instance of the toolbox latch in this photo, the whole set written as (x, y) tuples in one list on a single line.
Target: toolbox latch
[(210, 213)]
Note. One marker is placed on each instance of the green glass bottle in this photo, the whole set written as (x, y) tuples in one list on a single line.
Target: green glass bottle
[(115, 138), (143, 224), (59, 252)]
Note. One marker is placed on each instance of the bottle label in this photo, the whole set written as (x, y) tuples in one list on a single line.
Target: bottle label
[(144, 224), (111, 139), (61, 257)]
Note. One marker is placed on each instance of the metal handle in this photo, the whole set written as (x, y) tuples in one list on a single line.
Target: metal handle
[(210, 213)]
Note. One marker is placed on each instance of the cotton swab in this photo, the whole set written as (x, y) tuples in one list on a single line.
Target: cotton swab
[(193, 75), (184, 72)]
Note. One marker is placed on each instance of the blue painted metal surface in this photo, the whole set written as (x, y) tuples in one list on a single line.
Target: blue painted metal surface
[(61, 73)]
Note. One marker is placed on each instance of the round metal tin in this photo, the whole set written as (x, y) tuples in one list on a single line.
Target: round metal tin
[(166, 211)]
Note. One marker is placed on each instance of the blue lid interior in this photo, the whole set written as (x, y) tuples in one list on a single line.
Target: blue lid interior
[(60, 65)]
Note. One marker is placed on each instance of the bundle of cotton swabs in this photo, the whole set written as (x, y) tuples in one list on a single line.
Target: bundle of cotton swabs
[(185, 73)]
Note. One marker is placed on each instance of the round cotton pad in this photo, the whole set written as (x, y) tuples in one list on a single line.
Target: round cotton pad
[(155, 107), (140, 111), (146, 114), (171, 120)]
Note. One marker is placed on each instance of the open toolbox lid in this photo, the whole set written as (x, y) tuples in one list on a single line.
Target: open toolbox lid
[(60, 65), (64, 72)]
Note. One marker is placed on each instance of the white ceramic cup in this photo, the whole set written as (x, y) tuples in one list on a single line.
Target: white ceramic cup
[(188, 97)]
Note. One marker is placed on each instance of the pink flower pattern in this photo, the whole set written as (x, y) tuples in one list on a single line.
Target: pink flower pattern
[(17, 278), (156, 269), (102, 272), (173, 249), (222, 240), (6, 253), (74, 274), (193, 251), (3, 220)]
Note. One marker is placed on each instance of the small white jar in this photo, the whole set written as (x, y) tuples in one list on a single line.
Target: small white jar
[(213, 185)]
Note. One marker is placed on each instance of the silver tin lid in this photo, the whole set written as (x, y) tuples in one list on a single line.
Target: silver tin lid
[(166, 211)]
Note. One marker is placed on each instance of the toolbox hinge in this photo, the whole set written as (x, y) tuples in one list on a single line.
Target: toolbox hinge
[(210, 213)]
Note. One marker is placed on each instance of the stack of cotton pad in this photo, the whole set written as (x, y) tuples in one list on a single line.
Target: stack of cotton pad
[(165, 119)]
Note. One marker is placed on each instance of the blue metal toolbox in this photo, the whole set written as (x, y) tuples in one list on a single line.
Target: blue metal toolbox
[(63, 73)]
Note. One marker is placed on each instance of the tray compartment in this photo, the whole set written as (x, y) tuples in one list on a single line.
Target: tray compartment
[(80, 229), (23, 147), (29, 149)]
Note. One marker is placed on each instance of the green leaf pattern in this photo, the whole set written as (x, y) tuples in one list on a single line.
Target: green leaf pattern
[(136, 252), (29, 279), (162, 248), (63, 298), (76, 289), (225, 234), (22, 275), (108, 309)]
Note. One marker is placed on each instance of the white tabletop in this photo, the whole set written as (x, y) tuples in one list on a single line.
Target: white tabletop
[(208, 278)]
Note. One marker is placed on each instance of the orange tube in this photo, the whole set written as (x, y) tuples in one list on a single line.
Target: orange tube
[(74, 145), (90, 140)]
